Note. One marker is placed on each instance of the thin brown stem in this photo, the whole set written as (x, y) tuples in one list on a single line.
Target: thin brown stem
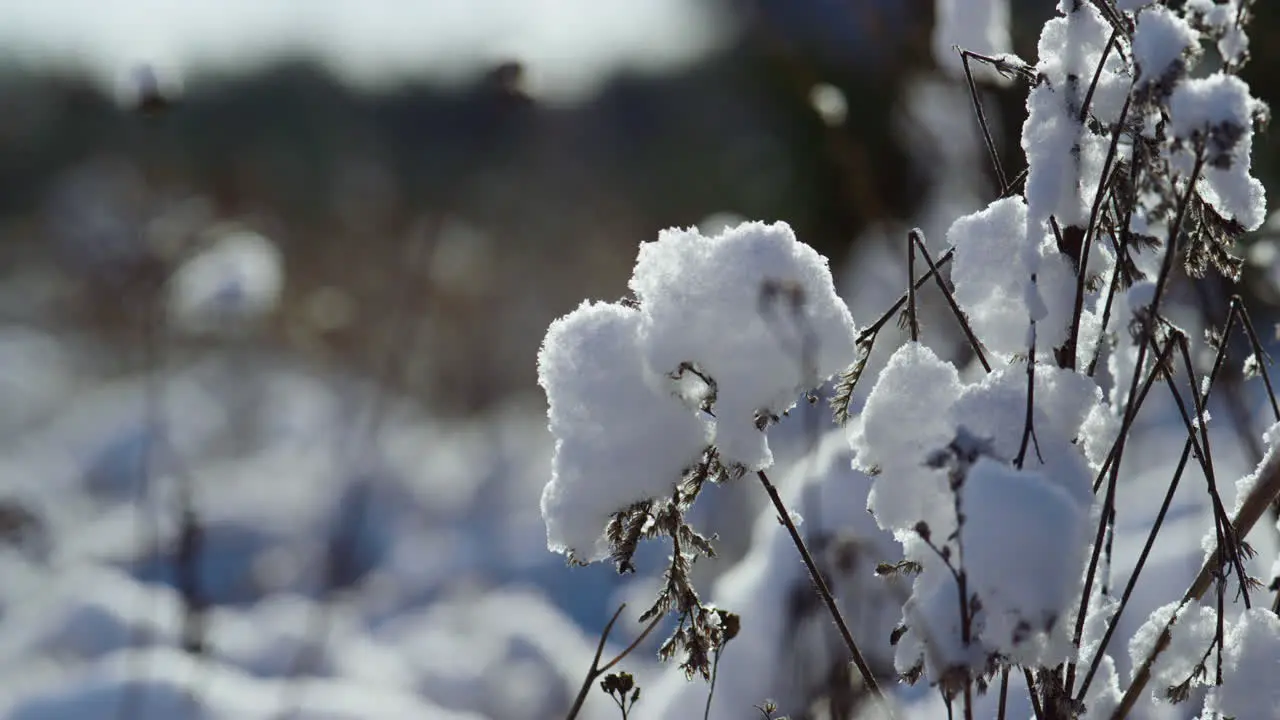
[(1091, 230), (711, 691), (1254, 507), (1004, 693), (917, 237), (825, 593), (913, 320), (1035, 698), (982, 120), (875, 327), (596, 669), (1146, 338)]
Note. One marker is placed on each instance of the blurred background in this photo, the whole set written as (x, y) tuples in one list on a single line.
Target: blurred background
[(273, 276)]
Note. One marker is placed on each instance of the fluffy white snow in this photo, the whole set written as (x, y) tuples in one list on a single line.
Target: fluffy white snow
[(1190, 638), (1064, 162), (1000, 305), (1250, 663), (1025, 586), (1219, 18), (1218, 109), (903, 420), (1027, 589), (1161, 38), (755, 310), (1266, 467), (620, 438), (732, 327)]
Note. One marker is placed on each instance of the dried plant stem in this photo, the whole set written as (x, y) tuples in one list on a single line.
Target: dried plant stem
[(1004, 693), (982, 120), (870, 331), (597, 669), (912, 320), (1031, 693), (1097, 75), (711, 691), (1260, 355), (1255, 505), (825, 593), (1091, 230), (1110, 469), (1146, 338), (1114, 622), (1028, 425), (1121, 247), (917, 237)]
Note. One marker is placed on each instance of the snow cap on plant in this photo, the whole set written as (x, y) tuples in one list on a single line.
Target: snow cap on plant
[(957, 475), (725, 333), (755, 312), (1001, 305), (620, 437)]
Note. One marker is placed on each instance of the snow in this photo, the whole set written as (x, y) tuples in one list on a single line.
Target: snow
[(1127, 313), (1267, 465), (91, 613), (1219, 19), (1098, 433), (629, 389), (1104, 691), (903, 420), (619, 437), (632, 390), (1000, 305), (789, 330), (1026, 587), (507, 653), (1190, 637), (1218, 110), (1234, 44), (1161, 39), (1063, 162), (1026, 591), (1250, 664), (237, 279), (995, 410), (166, 692), (1202, 104)]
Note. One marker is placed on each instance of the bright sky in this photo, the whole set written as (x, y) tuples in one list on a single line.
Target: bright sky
[(568, 45)]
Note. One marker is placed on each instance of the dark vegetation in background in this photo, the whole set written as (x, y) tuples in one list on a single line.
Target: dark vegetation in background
[(344, 180)]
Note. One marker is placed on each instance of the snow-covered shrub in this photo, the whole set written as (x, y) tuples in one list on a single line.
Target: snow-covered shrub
[(650, 398), (1001, 482)]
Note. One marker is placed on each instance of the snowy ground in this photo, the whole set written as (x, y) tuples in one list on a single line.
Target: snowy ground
[(448, 603)]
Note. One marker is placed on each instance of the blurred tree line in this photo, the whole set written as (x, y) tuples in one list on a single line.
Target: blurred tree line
[(477, 212)]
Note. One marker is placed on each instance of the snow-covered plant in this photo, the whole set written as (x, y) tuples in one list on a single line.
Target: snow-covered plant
[(655, 396), (1000, 481)]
